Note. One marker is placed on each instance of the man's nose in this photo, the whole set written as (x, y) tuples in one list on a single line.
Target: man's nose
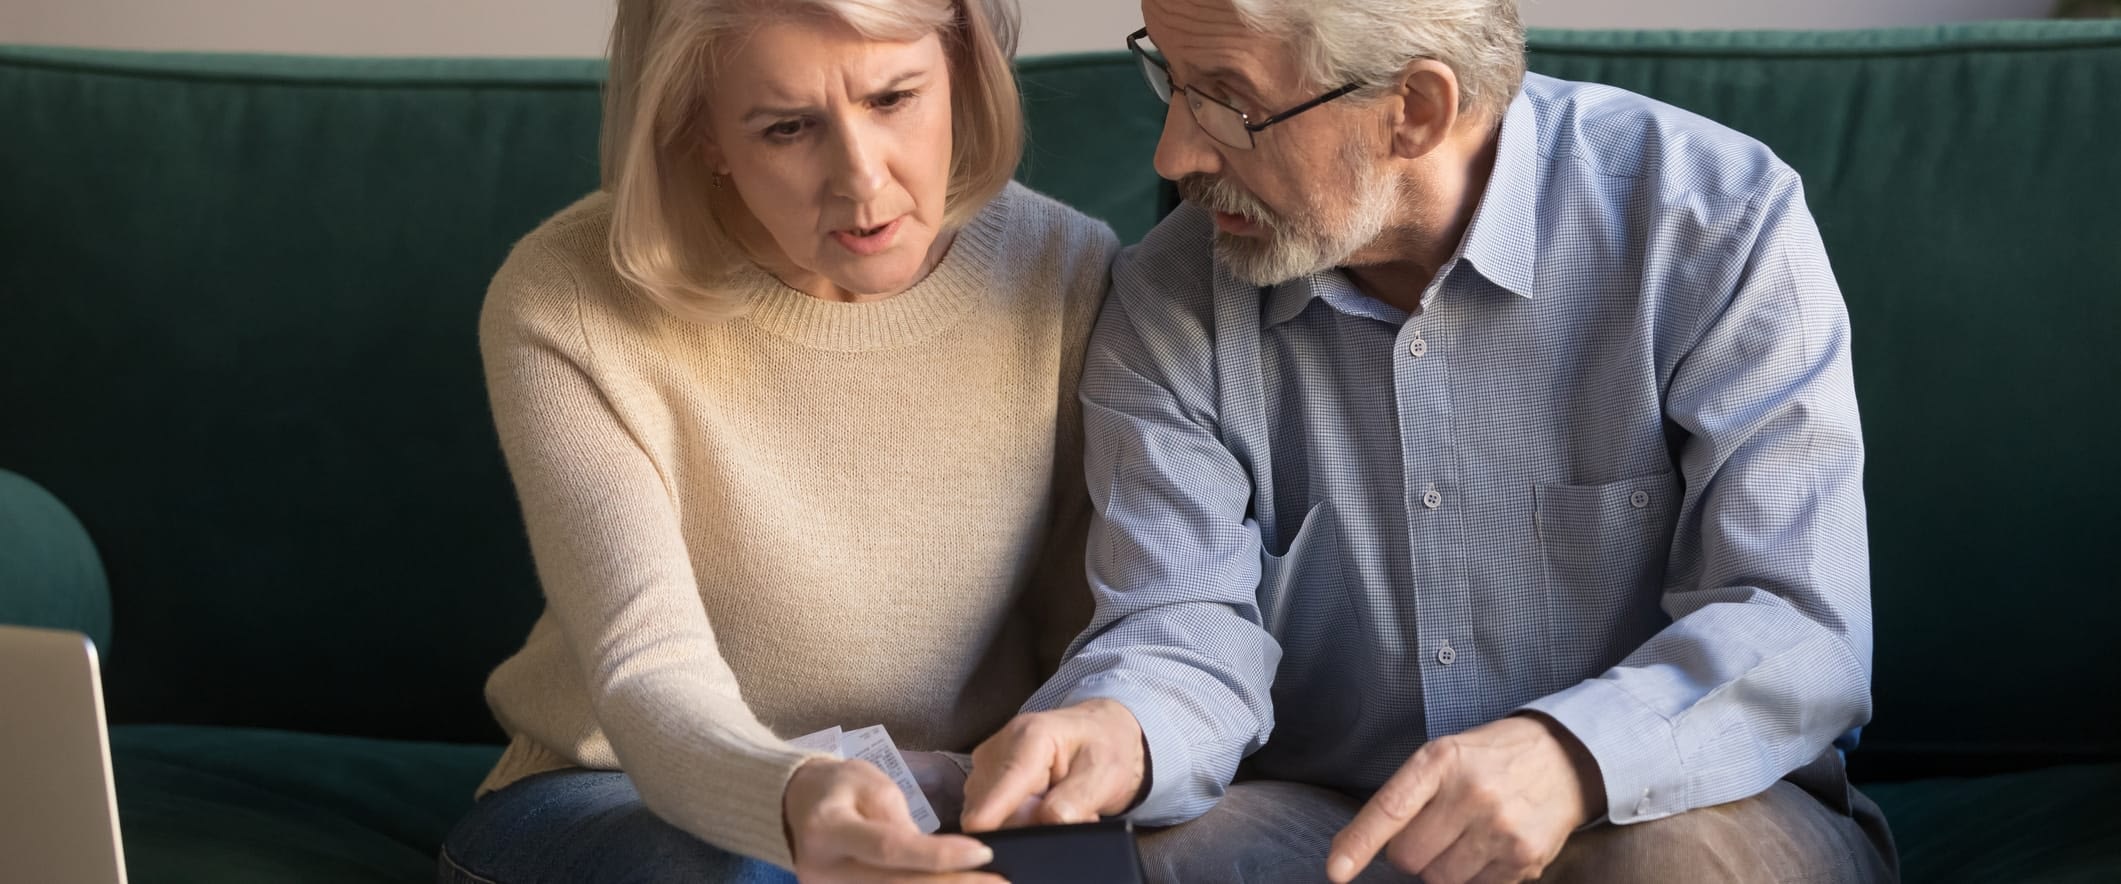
[(1184, 148)]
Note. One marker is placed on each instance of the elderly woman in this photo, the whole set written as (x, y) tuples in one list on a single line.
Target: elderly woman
[(790, 406)]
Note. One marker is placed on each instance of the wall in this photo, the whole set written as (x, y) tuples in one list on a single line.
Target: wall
[(577, 27)]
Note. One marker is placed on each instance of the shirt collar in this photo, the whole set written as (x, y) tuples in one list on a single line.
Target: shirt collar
[(1288, 299), (1500, 243)]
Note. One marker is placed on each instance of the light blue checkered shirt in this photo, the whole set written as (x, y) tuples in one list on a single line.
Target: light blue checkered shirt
[(1610, 471)]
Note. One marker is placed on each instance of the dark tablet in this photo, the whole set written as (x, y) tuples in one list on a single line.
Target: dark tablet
[(1101, 852)]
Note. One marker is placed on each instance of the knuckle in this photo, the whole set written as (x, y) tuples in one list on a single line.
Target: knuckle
[(1483, 796), (1396, 804), (1448, 749), (1522, 855)]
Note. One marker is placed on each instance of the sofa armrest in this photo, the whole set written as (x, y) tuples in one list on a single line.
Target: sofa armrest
[(50, 574)]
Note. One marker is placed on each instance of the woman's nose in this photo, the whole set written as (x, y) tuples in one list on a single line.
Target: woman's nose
[(862, 173)]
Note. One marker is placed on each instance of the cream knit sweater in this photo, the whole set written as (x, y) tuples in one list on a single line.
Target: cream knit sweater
[(815, 514)]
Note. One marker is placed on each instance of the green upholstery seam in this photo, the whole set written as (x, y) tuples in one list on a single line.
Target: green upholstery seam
[(1946, 40), (1849, 53), (335, 81)]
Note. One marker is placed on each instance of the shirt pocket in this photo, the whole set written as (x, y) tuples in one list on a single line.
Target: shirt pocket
[(1604, 549), (1303, 599)]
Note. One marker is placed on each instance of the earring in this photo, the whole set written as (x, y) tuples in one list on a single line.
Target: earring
[(717, 181)]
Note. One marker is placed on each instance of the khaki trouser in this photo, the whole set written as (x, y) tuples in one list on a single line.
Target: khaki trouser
[(1268, 832)]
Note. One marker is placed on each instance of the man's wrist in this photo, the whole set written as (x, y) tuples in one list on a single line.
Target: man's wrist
[(1122, 717), (1590, 780), (1141, 793)]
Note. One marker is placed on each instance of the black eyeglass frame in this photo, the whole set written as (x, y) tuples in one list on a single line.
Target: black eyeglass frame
[(1252, 129)]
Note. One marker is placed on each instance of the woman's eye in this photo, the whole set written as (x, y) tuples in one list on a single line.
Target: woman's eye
[(894, 100), (784, 130)]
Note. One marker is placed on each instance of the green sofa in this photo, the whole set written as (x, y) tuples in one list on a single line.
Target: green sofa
[(241, 403)]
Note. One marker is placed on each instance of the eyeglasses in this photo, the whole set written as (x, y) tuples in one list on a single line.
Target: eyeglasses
[(1227, 125)]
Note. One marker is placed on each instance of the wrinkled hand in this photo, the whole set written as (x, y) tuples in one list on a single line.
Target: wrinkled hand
[(847, 822), (1069, 765), (1493, 804), (942, 781)]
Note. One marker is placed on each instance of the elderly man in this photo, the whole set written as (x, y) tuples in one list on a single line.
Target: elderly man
[(1478, 480)]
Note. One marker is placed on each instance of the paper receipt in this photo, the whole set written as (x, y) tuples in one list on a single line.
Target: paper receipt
[(873, 745)]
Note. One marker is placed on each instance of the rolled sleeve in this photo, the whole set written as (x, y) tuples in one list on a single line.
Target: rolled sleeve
[(1174, 795), (1632, 744)]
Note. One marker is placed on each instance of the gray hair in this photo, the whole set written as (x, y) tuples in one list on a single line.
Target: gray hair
[(1370, 41)]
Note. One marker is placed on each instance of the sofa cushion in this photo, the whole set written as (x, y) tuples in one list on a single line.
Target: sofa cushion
[(2053, 825), (233, 806), (238, 805), (54, 578)]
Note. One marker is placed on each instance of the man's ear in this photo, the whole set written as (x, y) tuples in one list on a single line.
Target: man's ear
[(1424, 107)]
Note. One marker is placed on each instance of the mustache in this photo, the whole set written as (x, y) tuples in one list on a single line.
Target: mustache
[(1218, 195)]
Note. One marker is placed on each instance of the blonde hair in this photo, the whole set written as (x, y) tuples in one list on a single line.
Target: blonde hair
[(668, 239)]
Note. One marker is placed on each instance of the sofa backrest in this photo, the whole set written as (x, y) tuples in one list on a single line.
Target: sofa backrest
[(1967, 184), (238, 297)]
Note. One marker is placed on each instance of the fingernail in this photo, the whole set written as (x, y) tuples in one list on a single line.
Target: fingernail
[(1063, 812), (1340, 868), (984, 856)]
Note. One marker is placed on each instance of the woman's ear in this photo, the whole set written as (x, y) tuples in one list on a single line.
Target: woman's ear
[(711, 154), (1424, 106)]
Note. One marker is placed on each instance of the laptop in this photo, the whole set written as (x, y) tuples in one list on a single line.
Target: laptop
[(58, 810)]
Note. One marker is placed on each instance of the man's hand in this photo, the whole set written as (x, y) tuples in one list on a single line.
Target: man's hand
[(1493, 804), (847, 822), (1065, 766)]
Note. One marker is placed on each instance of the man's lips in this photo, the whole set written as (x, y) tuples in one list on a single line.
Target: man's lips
[(1240, 225)]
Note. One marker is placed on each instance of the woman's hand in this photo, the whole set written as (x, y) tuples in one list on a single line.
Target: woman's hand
[(847, 822)]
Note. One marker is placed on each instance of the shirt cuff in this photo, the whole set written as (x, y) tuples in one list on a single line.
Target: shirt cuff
[(1170, 762), (1633, 744)]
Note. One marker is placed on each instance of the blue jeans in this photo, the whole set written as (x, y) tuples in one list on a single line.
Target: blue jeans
[(585, 826)]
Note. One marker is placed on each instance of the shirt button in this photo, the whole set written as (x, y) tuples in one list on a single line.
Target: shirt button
[(1432, 499), (1418, 347), (1639, 499), (1446, 656)]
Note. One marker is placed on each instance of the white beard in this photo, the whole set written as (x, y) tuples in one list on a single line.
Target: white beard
[(1297, 246)]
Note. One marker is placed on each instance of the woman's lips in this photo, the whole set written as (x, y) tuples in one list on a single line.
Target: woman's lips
[(869, 241)]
